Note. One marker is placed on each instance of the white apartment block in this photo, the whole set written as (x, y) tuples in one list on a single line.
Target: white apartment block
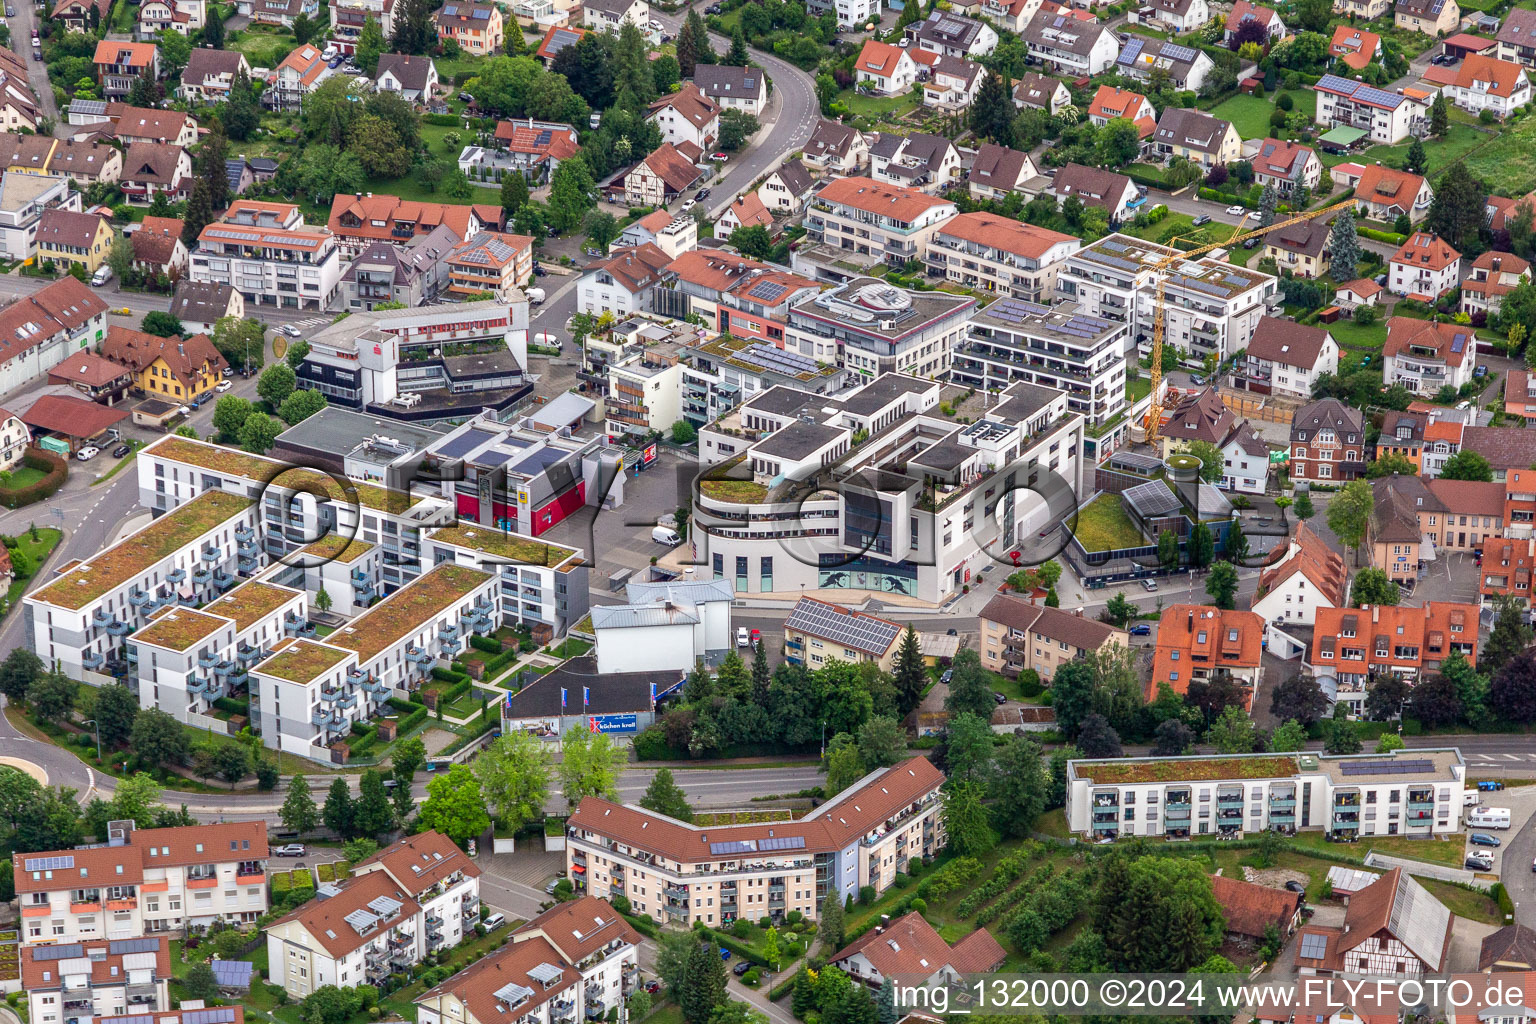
[(1082, 356), (442, 880), (679, 874), (1387, 117), (873, 328), (645, 393), (542, 584), (1208, 306), (1408, 792), (927, 540), (268, 254), (78, 982), (357, 932), (851, 14), (998, 254), (888, 223), (144, 882)]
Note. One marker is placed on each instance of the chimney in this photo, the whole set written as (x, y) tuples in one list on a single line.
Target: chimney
[(1191, 620)]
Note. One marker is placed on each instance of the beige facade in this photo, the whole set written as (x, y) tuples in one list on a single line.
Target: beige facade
[(1017, 636)]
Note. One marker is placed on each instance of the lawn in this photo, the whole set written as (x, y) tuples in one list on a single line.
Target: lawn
[(1505, 162), (1351, 335), (1475, 906), (1137, 388), (1104, 525), (877, 106), (1249, 114), (39, 549), (469, 703), (1433, 851), (571, 647), (1459, 141)]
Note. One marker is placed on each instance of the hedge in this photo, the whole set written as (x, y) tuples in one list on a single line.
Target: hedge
[(484, 643), (232, 706), (55, 471), (445, 120), (1390, 237)]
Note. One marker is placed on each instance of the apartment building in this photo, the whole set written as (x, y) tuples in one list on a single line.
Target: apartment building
[(1288, 357), (349, 16), (299, 74), (23, 200), (1195, 641), (1310, 576), (40, 331), (1506, 569), (1069, 46), (1424, 357), (1354, 645), (1387, 117), (542, 586), (358, 221), (728, 371), (270, 256), (478, 28), (989, 253), (167, 368), (1327, 442), (66, 238), (119, 64), (440, 878), (819, 632), (1018, 635), (645, 394), (77, 619), (677, 873), (927, 540), (1082, 356), (355, 932), (1208, 306), (144, 881), (1418, 517), (1425, 268), (872, 328), (492, 262), (1407, 792), (414, 276), (603, 947), (77, 982)]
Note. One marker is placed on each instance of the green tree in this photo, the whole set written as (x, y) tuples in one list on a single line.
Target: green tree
[(1416, 159), (882, 743), (693, 44), (277, 382), (1289, 737), (413, 33), (1349, 514), (1268, 200), (370, 43), (1168, 549), (1341, 736), (703, 983), (910, 675), (298, 813), (339, 810), (1120, 610), (239, 341), (590, 766), (1221, 585), (1510, 636), (372, 815), (602, 229), (570, 193), (1302, 509), (240, 114), (1344, 247), (1172, 738), (162, 325), (1467, 465), (1211, 459), (455, 806), (1235, 549), (229, 415), (213, 28), (966, 820), (200, 210), (514, 773), (136, 798), (665, 796), (1456, 212), (1439, 115), (736, 127), (300, 406), (738, 53), (969, 690), (752, 240), (258, 433), (1372, 586), (116, 708), (158, 739), (992, 111), (1022, 786), (233, 762), (1388, 742), (1388, 465), (830, 921), (514, 193), (1202, 546), (1232, 733), (1155, 913), (1298, 698), (379, 147), (843, 767), (200, 982)]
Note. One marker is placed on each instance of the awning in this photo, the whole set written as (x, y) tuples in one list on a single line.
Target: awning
[(578, 869), (1342, 136)]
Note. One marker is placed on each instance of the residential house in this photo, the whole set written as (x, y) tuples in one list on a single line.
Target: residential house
[(146, 124), (478, 29), (1511, 948), (747, 211), (1196, 136), (1012, 15), (1310, 576), (1402, 434), (1288, 357), (1359, 292), (1442, 440), (169, 368), (1180, 15), (1300, 249), (1327, 442), (239, 175), (1383, 194), (1414, 518), (157, 247), (1204, 417), (610, 15), (836, 149), (300, 74), (18, 104), (1019, 635), (687, 116), (1186, 67), (1505, 571), (151, 168), (25, 154), (661, 177), (1354, 47), (1069, 46), (271, 255), (672, 233), (442, 880), (66, 237), (1485, 83), (1424, 268), (85, 163), (414, 276), (1520, 393), (1493, 275), (884, 222), (490, 261), (1362, 10), (1286, 166), (952, 35), (622, 283), (817, 633), (348, 17), (534, 149), (98, 979), (851, 14), (998, 170), (1386, 117), (733, 88), (40, 330), (1112, 102), (919, 160), (120, 64), (1431, 17), (357, 221), (786, 188), (557, 38), (23, 200), (96, 378), (1244, 12), (80, 15), (910, 948), (415, 78), (183, 17), (210, 74), (1352, 645), (364, 929), (952, 82), (1517, 37), (1041, 92), (200, 305), (278, 12), (1254, 911), (1092, 186), (1194, 641)]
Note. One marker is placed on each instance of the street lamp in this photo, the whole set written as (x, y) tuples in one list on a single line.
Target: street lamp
[(92, 722)]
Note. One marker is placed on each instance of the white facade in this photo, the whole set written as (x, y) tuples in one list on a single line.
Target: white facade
[(1244, 471), (664, 626), (68, 989), (1347, 103), (23, 198)]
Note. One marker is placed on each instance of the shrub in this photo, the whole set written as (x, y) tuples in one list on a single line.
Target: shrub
[(751, 977), (794, 917), (742, 928), (55, 471), (866, 894)]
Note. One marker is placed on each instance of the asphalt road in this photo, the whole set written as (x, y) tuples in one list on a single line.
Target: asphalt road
[(28, 16)]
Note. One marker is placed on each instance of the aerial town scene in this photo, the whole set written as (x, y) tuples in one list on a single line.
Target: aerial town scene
[(767, 511)]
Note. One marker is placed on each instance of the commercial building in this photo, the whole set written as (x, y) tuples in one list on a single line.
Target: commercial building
[(998, 254), (143, 882), (666, 625), (577, 696), (1407, 792), (1385, 117), (677, 873), (1353, 646), (1019, 636), (946, 494)]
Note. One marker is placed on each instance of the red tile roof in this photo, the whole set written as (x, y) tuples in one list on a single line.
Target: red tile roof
[(1315, 560), (1004, 233), (1354, 46), (878, 58), (1404, 331), (909, 945), (325, 920), (1250, 909), (1386, 186), (579, 928), (418, 862), (106, 966), (1193, 636), (870, 196), (1426, 251)]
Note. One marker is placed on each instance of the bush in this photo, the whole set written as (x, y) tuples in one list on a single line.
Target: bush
[(483, 643), (866, 894), (55, 471), (794, 917), (751, 977), (919, 904)]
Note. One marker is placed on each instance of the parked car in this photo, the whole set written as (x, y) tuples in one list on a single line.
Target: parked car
[(1481, 862), (1237, 209), (1149, 585), (719, 158), (291, 850), (465, 97), (87, 453), (652, 987), (742, 967), (999, 698), (1484, 839), (120, 451), (494, 921), (949, 674), (1203, 219), (690, 204), (539, 271), (742, 637), (1250, 243), (1481, 371), (223, 386), (1295, 886), (757, 637), (1140, 629), (290, 330), (702, 193)]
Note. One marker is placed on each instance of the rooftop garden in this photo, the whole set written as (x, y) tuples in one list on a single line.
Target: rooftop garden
[(739, 492), (135, 555), (255, 467), (250, 602), (1121, 773), (338, 548), (302, 661), (1104, 525), (508, 546), (177, 629), (405, 610)]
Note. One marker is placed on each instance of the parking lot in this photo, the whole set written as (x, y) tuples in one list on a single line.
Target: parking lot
[(1450, 577)]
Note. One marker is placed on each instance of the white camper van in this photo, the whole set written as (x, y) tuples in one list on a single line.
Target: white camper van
[(1489, 817)]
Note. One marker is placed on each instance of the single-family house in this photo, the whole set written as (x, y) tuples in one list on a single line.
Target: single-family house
[(415, 78), (1196, 136), (1493, 275), (1425, 268), (1287, 357)]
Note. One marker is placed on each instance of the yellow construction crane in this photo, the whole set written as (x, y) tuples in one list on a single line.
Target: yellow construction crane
[(1155, 413)]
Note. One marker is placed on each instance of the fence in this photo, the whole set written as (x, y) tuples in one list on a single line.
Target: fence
[(1270, 409)]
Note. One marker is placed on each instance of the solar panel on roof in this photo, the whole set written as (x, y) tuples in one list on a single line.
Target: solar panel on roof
[(1458, 343), (142, 1018), (1152, 498), (734, 846), (845, 628), (68, 951), (545, 973), (1313, 946), (768, 291), (49, 863), (212, 1015), (1179, 53), (1387, 767), (133, 946), (464, 444), (1132, 50), (782, 843)]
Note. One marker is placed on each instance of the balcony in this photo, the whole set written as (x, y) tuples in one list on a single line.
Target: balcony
[(176, 576), (204, 882), (92, 660), (85, 907), (1230, 800), (130, 903)]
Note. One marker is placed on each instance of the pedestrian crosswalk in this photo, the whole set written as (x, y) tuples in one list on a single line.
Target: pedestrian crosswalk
[(312, 322)]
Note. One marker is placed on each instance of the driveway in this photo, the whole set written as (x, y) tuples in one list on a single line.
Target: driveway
[(1466, 944), (1519, 850)]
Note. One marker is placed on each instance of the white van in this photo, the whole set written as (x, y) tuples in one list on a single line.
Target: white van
[(1489, 817), (1469, 798), (669, 537)]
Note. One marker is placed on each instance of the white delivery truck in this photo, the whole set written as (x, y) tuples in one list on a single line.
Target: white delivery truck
[(671, 538), (1489, 817)]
